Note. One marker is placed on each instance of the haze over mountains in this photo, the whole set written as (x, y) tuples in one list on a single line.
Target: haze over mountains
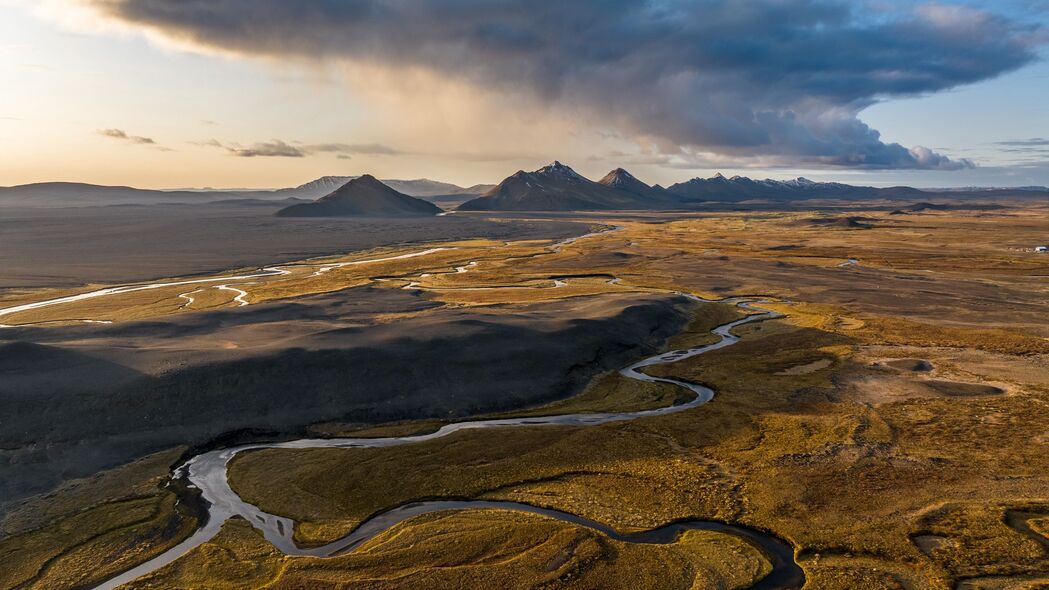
[(421, 187), (555, 187), (364, 196), (76, 194)]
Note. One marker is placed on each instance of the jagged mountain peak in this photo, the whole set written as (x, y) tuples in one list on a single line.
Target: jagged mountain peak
[(559, 169), (621, 179)]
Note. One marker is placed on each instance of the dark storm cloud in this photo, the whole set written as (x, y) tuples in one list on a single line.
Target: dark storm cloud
[(123, 136), (762, 78)]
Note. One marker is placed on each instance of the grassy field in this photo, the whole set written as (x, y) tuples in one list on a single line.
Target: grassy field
[(94, 528), (880, 475), (858, 488), (476, 549)]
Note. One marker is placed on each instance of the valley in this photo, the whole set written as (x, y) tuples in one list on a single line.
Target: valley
[(524, 295), (884, 426)]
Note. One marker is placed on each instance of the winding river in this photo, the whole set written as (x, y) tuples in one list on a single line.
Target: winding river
[(209, 473), (269, 271)]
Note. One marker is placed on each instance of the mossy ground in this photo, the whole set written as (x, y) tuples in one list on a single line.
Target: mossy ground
[(911, 490), (94, 528)]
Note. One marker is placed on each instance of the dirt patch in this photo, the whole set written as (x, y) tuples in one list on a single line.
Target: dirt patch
[(914, 365), (807, 368), (929, 544), (850, 323), (885, 388), (1040, 526), (958, 389), (845, 222)]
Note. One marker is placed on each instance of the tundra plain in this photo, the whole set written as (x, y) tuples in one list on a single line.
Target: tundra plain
[(892, 426)]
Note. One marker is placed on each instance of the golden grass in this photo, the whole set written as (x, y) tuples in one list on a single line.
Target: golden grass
[(470, 549), (911, 493), (848, 483), (93, 529)]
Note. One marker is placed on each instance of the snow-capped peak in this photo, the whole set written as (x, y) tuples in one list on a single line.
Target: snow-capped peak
[(802, 181), (559, 169), (329, 182)]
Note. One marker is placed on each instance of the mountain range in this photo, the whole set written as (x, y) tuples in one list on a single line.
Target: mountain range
[(555, 187)]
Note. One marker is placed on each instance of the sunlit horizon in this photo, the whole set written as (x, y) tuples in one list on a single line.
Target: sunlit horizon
[(121, 97)]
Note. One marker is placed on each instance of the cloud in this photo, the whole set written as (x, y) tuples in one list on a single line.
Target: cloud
[(371, 149), (267, 149), (278, 148), (781, 81), (123, 136), (1033, 142), (207, 143)]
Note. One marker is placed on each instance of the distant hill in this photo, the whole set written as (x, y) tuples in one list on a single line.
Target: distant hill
[(364, 196), (77, 194), (922, 207), (420, 187), (242, 202), (741, 188), (557, 187)]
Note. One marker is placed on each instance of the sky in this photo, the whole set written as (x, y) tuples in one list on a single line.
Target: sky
[(268, 93)]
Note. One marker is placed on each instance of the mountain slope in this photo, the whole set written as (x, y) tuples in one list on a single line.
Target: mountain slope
[(653, 196), (363, 196), (557, 187)]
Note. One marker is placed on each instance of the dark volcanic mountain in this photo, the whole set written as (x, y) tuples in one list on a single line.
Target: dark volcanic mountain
[(559, 188), (420, 187), (622, 180), (364, 196)]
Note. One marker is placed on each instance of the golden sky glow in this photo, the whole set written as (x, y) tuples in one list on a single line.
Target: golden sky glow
[(86, 99)]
